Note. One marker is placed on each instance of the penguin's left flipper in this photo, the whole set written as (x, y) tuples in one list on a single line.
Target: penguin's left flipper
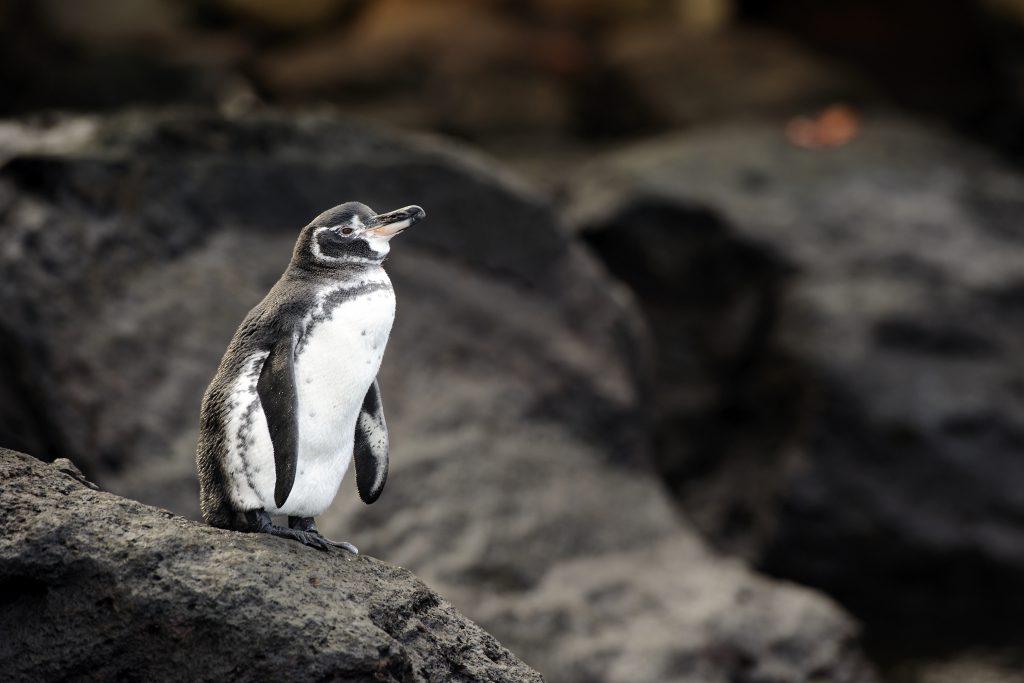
[(279, 398), (371, 446)]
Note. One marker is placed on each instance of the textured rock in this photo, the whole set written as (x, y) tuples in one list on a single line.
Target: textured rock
[(99, 587), (849, 321), (519, 486)]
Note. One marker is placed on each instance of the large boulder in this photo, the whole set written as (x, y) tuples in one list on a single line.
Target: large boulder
[(840, 331), (519, 485), (146, 235), (102, 588)]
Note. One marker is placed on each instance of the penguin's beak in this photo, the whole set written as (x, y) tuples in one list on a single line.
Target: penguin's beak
[(394, 222)]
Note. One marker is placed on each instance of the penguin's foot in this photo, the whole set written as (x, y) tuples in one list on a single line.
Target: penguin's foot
[(307, 525), (260, 522)]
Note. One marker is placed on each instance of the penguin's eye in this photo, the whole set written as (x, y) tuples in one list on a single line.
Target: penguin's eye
[(346, 231)]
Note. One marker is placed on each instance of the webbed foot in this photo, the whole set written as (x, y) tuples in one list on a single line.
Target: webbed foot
[(259, 522), (307, 525)]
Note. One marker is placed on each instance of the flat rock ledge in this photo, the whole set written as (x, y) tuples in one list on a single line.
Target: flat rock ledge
[(98, 587)]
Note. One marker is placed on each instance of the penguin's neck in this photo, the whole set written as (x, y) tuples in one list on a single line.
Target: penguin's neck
[(335, 273)]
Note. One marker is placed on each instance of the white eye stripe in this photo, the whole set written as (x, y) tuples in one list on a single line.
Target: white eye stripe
[(315, 245)]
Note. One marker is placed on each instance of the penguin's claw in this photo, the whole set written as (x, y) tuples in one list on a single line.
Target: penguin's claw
[(313, 540), (308, 524), (344, 545), (301, 529), (260, 522)]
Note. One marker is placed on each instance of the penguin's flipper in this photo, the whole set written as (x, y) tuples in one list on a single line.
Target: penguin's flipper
[(371, 446), (279, 397)]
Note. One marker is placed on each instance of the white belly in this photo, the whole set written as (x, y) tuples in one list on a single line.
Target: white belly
[(333, 373), (337, 361)]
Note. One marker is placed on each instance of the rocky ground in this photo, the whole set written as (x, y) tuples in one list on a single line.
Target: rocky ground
[(516, 383), (97, 587)]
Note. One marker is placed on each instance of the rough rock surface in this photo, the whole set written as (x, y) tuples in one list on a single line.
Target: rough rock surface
[(846, 327), (519, 486), (97, 587)]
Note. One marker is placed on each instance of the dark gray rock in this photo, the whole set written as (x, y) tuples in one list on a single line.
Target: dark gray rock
[(519, 485), (91, 206), (841, 335), (97, 587)]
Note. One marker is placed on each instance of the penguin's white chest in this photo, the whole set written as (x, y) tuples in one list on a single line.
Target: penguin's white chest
[(338, 350), (337, 358)]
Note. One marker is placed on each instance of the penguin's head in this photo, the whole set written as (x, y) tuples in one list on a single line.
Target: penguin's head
[(353, 233)]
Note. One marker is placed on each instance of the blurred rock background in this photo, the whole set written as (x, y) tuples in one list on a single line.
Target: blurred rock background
[(735, 290)]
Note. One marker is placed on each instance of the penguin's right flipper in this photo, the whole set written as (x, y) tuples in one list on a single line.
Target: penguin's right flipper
[(279, 397), (371, 446)]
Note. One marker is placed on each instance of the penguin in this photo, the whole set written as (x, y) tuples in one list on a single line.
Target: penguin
[(295, 398)]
